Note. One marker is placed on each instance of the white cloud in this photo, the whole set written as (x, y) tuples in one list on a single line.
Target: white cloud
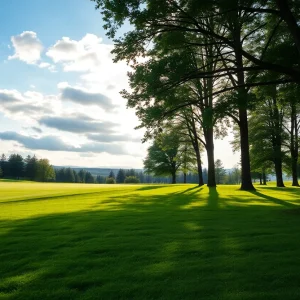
[(84, 55), (29, 105), (54, 143), (44, 65), (27, 46)]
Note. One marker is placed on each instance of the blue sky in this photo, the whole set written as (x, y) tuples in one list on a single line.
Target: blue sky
[(59, 88), (50, 20)]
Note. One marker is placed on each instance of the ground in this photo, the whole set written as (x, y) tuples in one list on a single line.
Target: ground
[(72, 241)]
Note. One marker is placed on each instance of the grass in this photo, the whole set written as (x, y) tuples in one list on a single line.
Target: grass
[(67, 241)]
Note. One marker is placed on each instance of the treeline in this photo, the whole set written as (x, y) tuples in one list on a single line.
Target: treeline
[(31, 168)]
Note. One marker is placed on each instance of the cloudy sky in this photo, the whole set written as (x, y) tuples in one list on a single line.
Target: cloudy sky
[(59, 89)]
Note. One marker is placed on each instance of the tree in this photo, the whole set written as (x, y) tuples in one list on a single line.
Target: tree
[(44, 171), (69, 175), (110, 180), (188, 159), (89, 178), (236, 175), (111, 175), (1, 173), (16, 166), (77, 179), (31, 165), (220, 171), (131, 179), (291, 124), (163, 156), (82, 175), (4, 165), (120, 176), (100, 179), (141, 177), (266, 134)]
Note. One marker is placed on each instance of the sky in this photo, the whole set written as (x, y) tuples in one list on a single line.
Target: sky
[(59, 89)]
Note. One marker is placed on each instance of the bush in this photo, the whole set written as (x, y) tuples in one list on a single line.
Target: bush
[(110, 180), (131, 179)]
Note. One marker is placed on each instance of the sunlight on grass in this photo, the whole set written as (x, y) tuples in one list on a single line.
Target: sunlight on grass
[(148, 242)]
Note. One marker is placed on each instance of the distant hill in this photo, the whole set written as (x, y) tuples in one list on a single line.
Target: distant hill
[(96, 171)]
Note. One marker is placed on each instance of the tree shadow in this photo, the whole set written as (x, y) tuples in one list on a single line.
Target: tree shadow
[(289, 189), (274, 200), (154, 187), (213, 198)]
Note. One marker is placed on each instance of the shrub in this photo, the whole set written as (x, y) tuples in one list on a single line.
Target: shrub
[(131, 179), (110, 180)]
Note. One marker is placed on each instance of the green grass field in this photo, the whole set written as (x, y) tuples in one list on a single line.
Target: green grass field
[(67, 241)]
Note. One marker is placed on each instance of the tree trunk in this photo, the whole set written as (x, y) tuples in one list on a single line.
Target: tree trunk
[(278, 172), (260, 179), (264, 178), (211, 175), (194, 138), (245, 156), (184, 177), (277, 139), (199, 167), (173, 178), (294, 148), (295, 172), (246, 182)]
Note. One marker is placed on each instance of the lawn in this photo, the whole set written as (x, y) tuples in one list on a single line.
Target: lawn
[(68, 241)]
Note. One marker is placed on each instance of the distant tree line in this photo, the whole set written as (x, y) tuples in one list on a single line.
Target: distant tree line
[(31, 168)]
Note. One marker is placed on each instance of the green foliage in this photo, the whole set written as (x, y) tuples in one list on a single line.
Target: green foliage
[(100, 179), (120, 176), (110, 180), (16, 165), (220, 171), (163, 158), (44, 171), (31, 167), (89, 178), (131, 179), (111, 174)]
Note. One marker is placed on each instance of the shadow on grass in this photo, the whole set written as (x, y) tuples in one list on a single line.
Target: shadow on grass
[(274, 200), (289, 189), (14, 180), (147, 188), (194, 189), (149, 247), (213, 198), (49, 197)]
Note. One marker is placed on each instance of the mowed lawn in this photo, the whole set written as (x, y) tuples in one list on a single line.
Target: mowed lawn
[(72, 241)]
